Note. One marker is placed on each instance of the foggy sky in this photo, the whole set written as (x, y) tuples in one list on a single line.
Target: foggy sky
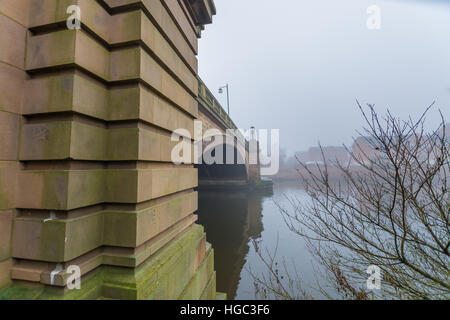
[(299, 65)]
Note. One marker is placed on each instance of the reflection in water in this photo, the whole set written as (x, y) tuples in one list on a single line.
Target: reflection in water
[(231, 221)]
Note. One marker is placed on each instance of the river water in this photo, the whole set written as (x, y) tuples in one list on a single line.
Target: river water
[(232, 220)]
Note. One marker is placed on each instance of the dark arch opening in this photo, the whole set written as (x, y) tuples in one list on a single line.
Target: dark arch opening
[(220, 172)]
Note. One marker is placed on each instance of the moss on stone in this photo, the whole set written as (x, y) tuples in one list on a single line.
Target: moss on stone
[(164, 275)]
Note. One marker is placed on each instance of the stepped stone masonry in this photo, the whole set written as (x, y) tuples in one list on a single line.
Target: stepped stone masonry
[(86, 177)]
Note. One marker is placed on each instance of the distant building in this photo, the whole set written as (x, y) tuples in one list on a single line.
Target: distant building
[(365, 148), (330, 154)]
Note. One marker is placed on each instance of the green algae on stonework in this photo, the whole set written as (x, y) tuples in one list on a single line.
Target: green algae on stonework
[(202, 277), (157, 263), (16, 292), (159, 277), (221, 296), (176, 205), (91, 288), (210, 292), (64, 240), (172, 280), (164, 275)]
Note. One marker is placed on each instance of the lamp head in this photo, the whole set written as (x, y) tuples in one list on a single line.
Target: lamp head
[(220, 90), (252, 132)]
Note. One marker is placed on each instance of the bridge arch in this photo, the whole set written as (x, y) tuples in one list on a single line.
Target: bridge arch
[(230, 163)]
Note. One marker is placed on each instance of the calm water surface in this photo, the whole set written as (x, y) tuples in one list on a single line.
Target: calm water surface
[(233, 219)]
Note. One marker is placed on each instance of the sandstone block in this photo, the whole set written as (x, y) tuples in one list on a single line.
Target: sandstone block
[(11, 88), (5, 234), (13, 34), (9, 133)]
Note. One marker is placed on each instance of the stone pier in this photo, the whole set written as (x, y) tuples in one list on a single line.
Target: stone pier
[(86, 177)]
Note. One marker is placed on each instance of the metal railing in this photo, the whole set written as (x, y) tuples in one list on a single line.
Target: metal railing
[(209, 101)]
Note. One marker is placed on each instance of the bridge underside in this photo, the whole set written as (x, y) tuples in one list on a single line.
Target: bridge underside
[(229, 171)]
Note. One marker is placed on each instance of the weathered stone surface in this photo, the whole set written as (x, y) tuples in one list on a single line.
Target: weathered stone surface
[(14, 35), (55, 93), (201, 280), (94, 148), (163, 276), (45, 141), (9, 133), (5, 273), (167, 181), (121, 28), (73, 91), (28, 270), (51, 49), (11, 88), (76, 47), (210, 292), (90, 290), (47, 11), (67, 190), (16, 10), (64, 240), (76, 140), (6, 218), (166, 23), (8, 184), (178, 11), (41, 272)]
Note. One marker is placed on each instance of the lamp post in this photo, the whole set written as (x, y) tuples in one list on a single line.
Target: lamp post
[(228, 96), (252, 132)]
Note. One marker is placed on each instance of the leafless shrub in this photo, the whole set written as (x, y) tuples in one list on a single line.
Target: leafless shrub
[(390, 208), (278, 282)]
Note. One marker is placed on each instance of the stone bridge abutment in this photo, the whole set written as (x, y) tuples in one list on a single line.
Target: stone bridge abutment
[(86, 177)]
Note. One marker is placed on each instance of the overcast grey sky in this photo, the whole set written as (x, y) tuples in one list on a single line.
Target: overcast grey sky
[(299, 65)]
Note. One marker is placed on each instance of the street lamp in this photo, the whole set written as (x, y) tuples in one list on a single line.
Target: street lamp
[(252, 132), (228, 96)]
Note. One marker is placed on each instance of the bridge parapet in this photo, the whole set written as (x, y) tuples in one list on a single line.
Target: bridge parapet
[(209, 101), (213, 176)]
